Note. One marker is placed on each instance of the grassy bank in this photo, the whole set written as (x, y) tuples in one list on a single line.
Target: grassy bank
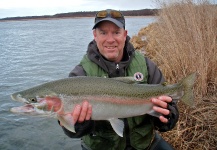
[(184, 40)]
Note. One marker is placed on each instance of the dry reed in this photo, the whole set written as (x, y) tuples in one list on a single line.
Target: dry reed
[(181, 41)]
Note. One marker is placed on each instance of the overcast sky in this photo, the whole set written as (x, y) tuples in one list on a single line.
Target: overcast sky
[(14, 8)]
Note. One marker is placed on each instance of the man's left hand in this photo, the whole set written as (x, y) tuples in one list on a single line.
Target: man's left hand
[(161, 106)]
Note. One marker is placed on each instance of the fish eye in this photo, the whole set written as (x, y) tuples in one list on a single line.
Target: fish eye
[(32, 100)]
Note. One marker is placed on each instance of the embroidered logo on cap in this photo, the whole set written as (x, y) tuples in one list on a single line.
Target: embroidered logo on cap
[(138, 76)]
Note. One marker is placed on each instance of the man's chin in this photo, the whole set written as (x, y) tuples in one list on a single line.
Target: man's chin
[(112, 58)]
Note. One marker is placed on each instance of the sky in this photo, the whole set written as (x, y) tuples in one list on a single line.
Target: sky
[(15, 8)]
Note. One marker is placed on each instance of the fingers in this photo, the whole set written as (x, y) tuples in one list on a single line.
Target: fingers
[(76, 113), (86, 111), (163, 119), (89, 112), (161, 101), (160, 105), (166, 99), (163, 111), (82, 112)]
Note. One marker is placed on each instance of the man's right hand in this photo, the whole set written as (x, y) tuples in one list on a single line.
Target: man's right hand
[(80, 113)]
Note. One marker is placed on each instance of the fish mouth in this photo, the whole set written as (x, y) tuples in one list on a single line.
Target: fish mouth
[(28, 108)]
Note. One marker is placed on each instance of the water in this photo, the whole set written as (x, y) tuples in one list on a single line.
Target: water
[(34, 52)]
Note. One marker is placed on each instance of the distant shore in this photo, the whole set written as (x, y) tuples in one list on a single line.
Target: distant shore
[(29, 19), (87, 14)]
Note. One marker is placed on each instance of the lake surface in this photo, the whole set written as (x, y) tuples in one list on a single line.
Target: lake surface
[(35, 52)]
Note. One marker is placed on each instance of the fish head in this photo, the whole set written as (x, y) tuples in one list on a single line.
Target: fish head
[(32, 94), (37, 102), (24, 98)]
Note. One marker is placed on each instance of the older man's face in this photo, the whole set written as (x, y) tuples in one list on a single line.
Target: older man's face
[(110, 40)]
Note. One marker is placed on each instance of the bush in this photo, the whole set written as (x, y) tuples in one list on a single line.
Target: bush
[(184, 40)]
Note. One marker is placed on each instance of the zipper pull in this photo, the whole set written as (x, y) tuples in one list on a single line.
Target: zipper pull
[(117, 67)]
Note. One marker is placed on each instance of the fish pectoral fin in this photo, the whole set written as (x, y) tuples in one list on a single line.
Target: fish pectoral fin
[(67, 121), (117, 125)]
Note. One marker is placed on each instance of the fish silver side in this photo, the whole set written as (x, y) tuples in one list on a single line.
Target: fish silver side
[(111, 98)]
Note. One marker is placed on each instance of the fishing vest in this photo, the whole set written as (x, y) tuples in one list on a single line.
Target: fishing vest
[(141, 129)]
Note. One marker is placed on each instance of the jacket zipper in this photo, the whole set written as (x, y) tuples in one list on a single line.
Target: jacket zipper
[(117, 66), (126, 125), (117, 69)]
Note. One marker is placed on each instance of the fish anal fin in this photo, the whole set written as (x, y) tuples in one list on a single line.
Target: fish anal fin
[(117, 125)]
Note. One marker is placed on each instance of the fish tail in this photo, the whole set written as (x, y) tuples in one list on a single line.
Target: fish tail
[(187, 83)]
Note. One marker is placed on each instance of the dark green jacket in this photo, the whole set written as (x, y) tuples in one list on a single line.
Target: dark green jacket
[(139, 130), (133, 126)]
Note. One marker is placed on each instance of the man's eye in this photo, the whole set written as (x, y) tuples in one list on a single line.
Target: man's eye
[(103, 33)]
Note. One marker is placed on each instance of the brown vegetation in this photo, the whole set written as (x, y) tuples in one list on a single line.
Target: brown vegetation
[(181, 41)]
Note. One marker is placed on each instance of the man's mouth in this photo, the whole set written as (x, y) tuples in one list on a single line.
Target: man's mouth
[(111, 47)]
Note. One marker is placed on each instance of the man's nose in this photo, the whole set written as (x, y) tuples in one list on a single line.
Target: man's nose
[(110, 37)]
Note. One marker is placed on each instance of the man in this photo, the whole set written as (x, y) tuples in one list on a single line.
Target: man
[(111, 54)]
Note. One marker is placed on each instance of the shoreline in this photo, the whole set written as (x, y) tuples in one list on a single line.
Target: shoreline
[(58, 18), (82, 14)]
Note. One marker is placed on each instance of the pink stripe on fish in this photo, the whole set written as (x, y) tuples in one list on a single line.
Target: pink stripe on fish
[(123, 101)]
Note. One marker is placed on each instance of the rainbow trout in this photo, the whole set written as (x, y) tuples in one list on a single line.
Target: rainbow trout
[(111, 98)]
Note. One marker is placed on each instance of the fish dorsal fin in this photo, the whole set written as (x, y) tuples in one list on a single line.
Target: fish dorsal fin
[(129, 80), (117, 125)]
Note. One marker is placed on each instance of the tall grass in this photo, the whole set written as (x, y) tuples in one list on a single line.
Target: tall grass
[(184, 40)]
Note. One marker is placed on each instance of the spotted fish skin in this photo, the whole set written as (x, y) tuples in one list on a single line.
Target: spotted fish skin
[(111, 98)]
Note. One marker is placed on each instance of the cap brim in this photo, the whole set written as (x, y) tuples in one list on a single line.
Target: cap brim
[(118, 23)]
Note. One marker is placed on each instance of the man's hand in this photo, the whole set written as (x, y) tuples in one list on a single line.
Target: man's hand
[(81, 113), (161, 106)]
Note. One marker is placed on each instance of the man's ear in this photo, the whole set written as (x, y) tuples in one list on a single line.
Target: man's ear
[(125, 33), (94, 33)]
